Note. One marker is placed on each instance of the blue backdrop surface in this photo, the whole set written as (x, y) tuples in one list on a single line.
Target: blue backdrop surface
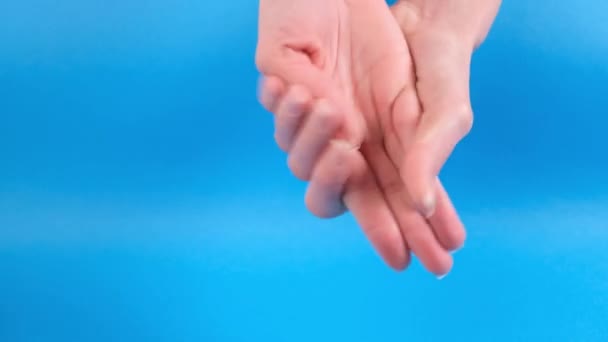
[(142, 197)]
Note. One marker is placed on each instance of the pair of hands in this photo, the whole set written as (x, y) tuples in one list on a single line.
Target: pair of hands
[(369, 102)]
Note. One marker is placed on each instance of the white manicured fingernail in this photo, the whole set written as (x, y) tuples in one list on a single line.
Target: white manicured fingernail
[(441, 277)]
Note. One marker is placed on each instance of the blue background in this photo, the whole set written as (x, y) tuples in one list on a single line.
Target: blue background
[(143, 199)]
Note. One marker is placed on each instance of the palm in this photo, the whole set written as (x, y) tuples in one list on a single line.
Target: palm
[(385, 83), (356, 47)]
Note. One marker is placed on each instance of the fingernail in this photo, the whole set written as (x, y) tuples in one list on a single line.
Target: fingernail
[(441, 277), (428, 204)]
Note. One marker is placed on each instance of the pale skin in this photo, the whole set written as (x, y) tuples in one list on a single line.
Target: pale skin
[(369, 102)]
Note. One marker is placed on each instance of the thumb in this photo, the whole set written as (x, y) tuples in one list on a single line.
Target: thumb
[(443, 72)]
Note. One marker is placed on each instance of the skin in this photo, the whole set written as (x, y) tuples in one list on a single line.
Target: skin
[(442, 35), (340, 79)]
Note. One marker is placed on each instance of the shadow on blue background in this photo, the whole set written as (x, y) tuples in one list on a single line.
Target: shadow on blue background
[(142, 197)]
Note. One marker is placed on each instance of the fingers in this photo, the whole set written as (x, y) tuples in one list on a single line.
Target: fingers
[(304, 129), (448, 227), (415, 229), (290, 115), (366, 202), (447, 117), (320, 126), (291, 105), (435, 141), (327, 184), (445, 223), (270, 91)]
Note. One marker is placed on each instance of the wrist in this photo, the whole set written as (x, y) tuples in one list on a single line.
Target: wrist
[(465, 20)]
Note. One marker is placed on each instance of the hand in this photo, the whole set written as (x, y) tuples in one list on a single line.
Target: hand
[(442, 35), (327, 61)]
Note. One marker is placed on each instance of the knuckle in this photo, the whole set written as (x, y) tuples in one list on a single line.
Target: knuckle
[(328, 120), (407, 103), (297, 169), (405, 120), (464, 119), (266, 57), (261, 60), (272, 86), (406, 110), (292, 115), (268, 96), (297, 97)]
